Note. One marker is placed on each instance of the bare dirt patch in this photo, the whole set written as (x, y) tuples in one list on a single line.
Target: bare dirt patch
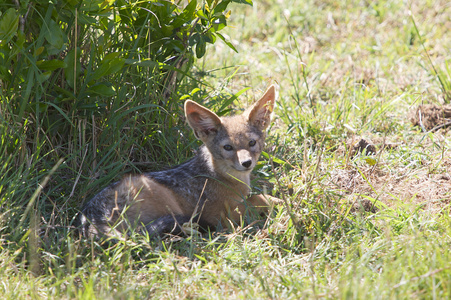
[(366, 185), (370, 178), (431, 116)]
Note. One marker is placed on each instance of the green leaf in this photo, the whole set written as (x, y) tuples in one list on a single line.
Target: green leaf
[(39, 51), (115, 65), (54, 35), (102, 90), (221, 7), (8, 26), (190, 8), (73, 68), (200, 13), (44, 76), (220, 23), (86, 20), (61, 112), (226, 41), (64, 94), (73, 2), (20, 41), (92, 5), (186, 15), (51, 65), (233, 98), (201, 47), (142, 63), (248, 2), (4, 73), (111, 56), (274, 159), (108, 67), (194, 39)]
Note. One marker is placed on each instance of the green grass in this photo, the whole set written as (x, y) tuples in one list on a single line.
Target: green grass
[(362, 227)]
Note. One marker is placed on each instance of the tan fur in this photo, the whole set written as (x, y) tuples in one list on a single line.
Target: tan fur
[(148, 199)]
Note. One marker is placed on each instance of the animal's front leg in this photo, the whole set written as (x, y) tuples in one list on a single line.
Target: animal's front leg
[(263, 200)]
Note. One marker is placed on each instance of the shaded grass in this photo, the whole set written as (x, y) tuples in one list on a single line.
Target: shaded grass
[(355, 71)]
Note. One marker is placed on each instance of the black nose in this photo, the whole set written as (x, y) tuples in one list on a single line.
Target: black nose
[(247, 163)]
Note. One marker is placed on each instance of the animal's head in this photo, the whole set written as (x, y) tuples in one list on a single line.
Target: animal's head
[(235, 142)]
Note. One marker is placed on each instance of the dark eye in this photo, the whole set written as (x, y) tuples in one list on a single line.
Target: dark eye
[(252, 143), (228, 148)]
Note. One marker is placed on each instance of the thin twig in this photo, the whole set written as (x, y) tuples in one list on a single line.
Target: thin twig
[(439, 126), (420, 119)]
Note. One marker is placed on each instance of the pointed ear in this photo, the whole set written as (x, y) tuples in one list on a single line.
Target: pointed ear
[(260, 112), (203, 121)]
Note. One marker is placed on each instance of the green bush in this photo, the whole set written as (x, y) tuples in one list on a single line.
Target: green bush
[(74, 55), (95, 83)]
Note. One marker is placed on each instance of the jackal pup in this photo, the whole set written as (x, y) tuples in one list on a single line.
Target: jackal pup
[(210, 189)]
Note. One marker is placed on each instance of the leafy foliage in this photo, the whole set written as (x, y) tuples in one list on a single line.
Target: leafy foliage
[(82, 71), (70, 54), (95, 84)]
